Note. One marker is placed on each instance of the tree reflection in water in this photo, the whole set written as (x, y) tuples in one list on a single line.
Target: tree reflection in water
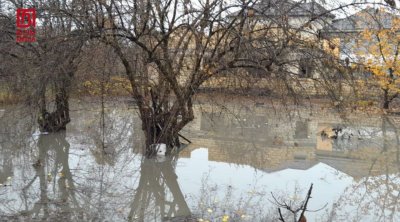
[(158, 194), (52, 167), (97, 174), (375, 197)]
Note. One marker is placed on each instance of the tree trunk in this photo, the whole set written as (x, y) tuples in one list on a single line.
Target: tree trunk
[(386, 100), (59, 118)]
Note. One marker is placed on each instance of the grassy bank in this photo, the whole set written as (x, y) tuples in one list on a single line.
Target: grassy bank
[(117, 86)]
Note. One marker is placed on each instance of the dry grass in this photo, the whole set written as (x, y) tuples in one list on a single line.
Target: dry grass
[(9, 98)]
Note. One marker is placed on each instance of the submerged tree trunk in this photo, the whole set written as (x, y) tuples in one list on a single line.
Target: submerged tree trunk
[(162, 111), (58, 119), (163, 126), (157, 132)]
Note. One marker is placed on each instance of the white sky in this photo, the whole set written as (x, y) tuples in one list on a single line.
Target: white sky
[(331, 4)]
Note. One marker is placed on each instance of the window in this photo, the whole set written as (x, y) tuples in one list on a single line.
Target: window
[(301, 131)]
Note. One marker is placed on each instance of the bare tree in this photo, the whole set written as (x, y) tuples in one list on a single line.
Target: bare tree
[(46, 67), (60, 46), (178, 45)]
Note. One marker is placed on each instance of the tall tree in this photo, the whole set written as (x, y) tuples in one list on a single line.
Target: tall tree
[(60, 41), (46, 67)]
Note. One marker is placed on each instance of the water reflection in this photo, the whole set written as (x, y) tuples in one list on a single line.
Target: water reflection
[(158, 194), (87, 173), (5, 166), (94, 171), (52, 167), (377, 193), (363, 152)]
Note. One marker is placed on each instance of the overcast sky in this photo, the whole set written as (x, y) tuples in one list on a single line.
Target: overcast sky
[(350, 10)]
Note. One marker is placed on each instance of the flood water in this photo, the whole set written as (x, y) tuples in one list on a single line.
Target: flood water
[(243, 159)]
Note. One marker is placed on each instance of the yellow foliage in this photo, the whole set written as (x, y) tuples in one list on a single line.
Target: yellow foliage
[(332, 46), (114, 86), (379, 49)]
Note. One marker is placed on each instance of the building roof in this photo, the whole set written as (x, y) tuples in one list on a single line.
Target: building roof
[(290, 8), (369, 18)]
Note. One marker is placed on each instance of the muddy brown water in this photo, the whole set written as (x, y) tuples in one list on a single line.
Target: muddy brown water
[(241, 155)]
